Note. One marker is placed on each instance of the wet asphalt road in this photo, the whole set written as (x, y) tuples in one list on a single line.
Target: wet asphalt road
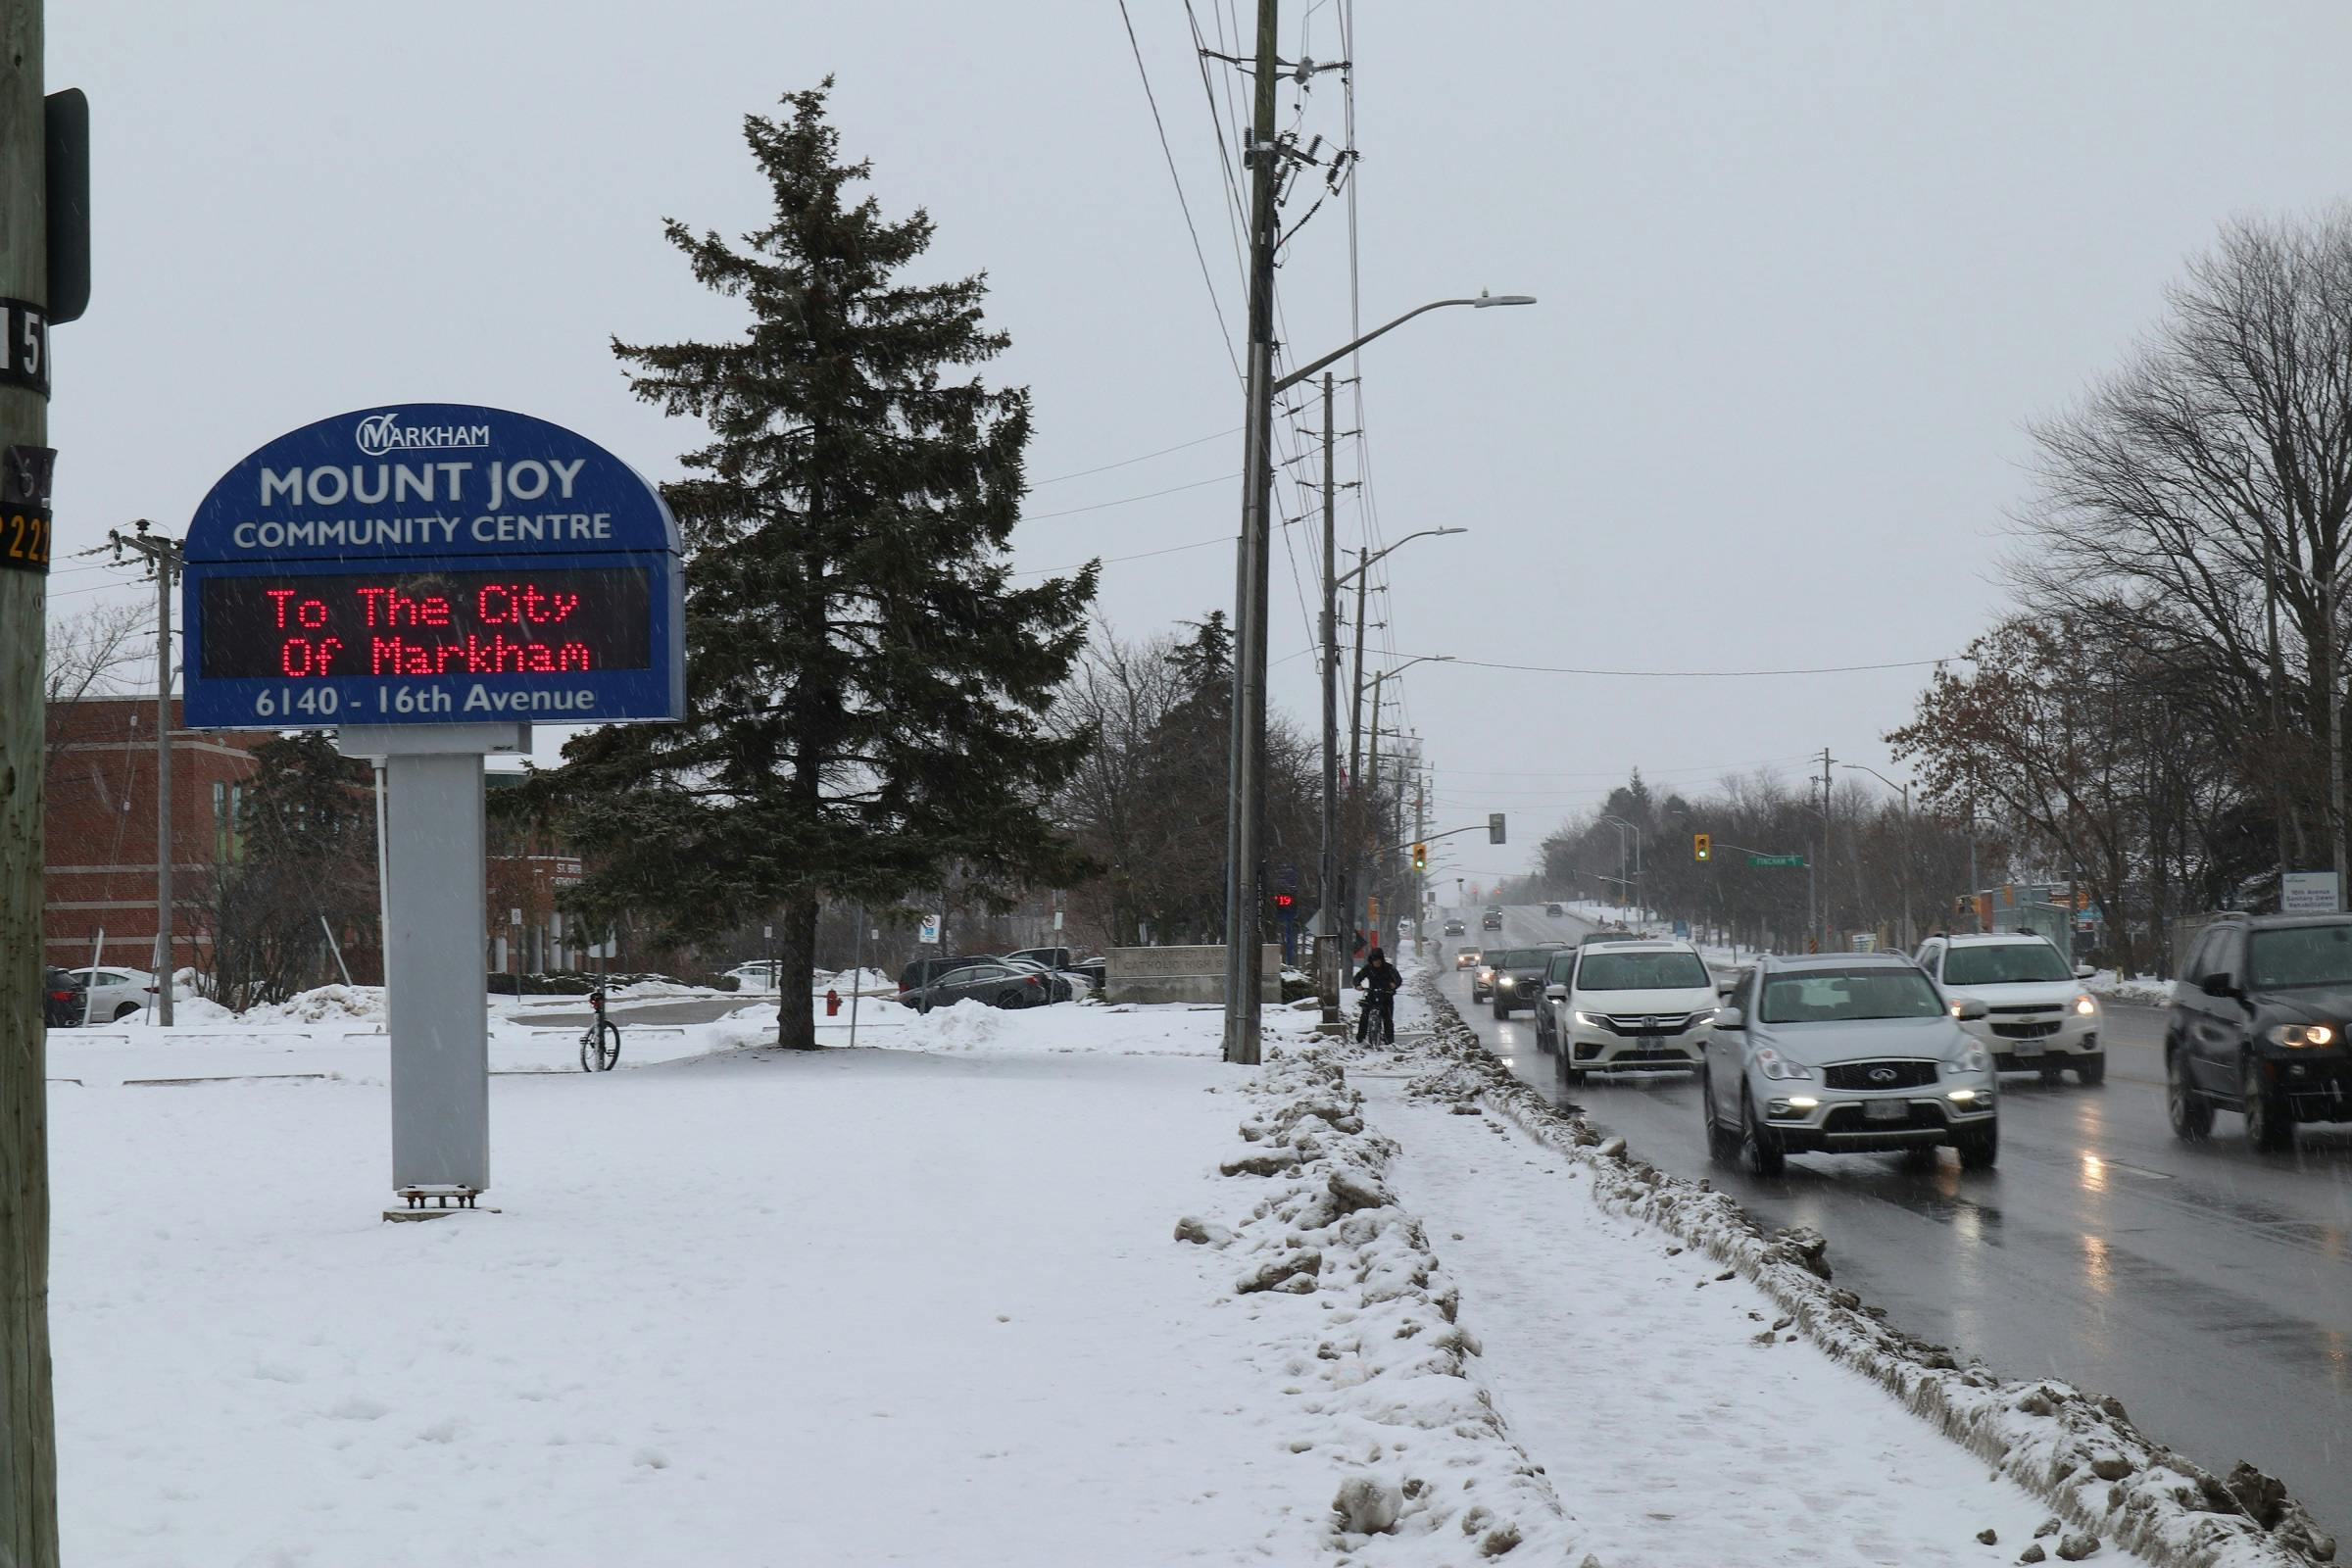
[(2205, 1284)]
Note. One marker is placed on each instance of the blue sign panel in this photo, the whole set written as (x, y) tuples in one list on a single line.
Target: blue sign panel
[(432, 562)]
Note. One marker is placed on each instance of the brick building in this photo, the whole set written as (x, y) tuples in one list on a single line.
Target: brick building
[(100, 865)]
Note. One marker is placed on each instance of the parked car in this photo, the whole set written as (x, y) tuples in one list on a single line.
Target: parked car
[(1059, 987), (115, 993), (1519, 978), (922, 971), (61, 999), (757, 975), (1491, 920), (1050, 957), (1455, 928), (1094, 971), (2257, 1026), (1631, 1005), (1843, 1054), (2041, 1018), (986, 980)]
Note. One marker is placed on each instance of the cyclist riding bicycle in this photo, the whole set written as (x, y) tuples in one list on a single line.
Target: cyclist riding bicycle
[(1380, 981)]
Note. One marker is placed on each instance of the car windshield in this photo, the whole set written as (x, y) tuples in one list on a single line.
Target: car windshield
[(1526, 959), (2000, 963), (2300, 956), (1642, 971), (1849, 996)]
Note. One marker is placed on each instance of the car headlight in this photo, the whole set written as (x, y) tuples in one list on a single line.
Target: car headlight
[(2302, 1034), (1772, 1065), (1507, 983), (1591, 1020), (1973, 1059), (2087, 1004)]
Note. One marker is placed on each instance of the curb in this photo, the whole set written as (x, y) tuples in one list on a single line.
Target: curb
[(2077, 1452)]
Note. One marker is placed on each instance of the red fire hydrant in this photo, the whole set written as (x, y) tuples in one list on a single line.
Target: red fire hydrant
[(832, 1004)]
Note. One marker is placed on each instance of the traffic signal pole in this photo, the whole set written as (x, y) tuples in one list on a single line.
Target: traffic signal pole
[(27, 1414)]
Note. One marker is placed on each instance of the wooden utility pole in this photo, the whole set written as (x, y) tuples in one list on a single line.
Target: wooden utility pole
[(28, 1415), (162, 556), (1246, 807)]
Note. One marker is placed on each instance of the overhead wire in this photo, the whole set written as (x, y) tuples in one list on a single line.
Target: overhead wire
[(1167, 152)]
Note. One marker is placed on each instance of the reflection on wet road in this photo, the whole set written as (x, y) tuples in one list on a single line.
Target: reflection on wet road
[(2207, 1285)]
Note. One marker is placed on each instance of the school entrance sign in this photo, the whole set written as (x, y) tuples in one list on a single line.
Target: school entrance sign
[(428, 579)]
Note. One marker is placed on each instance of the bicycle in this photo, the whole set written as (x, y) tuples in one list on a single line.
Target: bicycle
[(1376, 1025), (600, 1042)]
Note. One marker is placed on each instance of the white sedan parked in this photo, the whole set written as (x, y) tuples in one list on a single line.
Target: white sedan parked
[(116, 994)]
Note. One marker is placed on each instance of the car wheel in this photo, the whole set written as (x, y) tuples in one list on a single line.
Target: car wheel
[(2052, 1076), (2190, 1112), (2269, 1124), (1722, 1147), (1980, 1147), (2092, 1070), (1573, 1077), (126, 1010), (1008, 999), (1759, 1147)]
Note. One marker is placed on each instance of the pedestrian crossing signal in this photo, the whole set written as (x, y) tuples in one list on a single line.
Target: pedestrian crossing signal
[(1420, 856), (1702, 846)]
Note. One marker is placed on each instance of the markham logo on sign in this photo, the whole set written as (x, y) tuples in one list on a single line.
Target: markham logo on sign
[(380, 433)]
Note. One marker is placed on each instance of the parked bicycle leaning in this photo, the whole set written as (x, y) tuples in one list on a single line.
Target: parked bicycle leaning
[(599, 1043)]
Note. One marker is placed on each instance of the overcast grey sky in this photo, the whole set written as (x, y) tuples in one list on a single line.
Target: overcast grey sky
[(1804, 270)]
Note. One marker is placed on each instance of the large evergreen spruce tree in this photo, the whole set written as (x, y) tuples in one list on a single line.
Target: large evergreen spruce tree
[(864, 680)]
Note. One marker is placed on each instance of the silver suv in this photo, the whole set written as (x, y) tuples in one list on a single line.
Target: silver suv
[(1845, 1052)]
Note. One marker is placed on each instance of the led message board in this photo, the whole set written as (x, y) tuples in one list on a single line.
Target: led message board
[(433, 564)]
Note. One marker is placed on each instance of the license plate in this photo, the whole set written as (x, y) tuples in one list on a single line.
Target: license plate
[(2026, 1047), (1886, 1110)]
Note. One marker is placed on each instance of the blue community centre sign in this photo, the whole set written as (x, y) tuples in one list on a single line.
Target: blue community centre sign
[(432, 562)]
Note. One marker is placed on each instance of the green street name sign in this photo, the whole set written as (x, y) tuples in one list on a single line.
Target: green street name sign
[(1776, 859)]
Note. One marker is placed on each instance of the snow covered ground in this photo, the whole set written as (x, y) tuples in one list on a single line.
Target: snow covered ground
[(919, 1302)]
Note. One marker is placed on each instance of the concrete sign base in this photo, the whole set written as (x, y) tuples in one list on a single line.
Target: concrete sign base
[(434, 943)]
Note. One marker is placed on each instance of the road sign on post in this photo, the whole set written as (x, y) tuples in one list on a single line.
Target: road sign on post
[(428, 579)]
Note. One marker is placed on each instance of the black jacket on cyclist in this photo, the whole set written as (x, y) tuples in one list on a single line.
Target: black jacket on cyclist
[(1378, 975)]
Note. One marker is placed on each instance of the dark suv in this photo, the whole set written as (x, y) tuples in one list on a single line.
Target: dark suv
[(1519, 978), (2257, 1026)]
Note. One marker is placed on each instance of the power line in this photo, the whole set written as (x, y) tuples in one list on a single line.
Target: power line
[(1111, 560), (1705, 674), (1169, 154), (1148, 495), (1123, 462)]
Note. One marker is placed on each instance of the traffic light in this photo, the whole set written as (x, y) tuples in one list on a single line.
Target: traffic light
[(1420, 856), (1702, 846)]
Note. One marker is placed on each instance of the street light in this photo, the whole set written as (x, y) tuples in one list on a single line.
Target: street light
[(1624, 826), (1910, 937), (1246, 766)]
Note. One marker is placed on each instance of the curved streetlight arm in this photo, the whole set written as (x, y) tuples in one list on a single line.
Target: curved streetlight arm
[(1904, 790), (1335, 356), (1369, 562)]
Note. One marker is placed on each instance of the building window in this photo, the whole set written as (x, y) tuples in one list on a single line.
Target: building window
[(229, 823)]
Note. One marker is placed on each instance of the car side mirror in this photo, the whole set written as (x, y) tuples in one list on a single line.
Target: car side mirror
[(2219, 985), (1730, 1019), (1724, 988), (2084, 972), (1970, 1010), (1555, 993)]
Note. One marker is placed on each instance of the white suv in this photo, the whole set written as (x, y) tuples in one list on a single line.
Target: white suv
[(1633, 1004), (2037, 1015)]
